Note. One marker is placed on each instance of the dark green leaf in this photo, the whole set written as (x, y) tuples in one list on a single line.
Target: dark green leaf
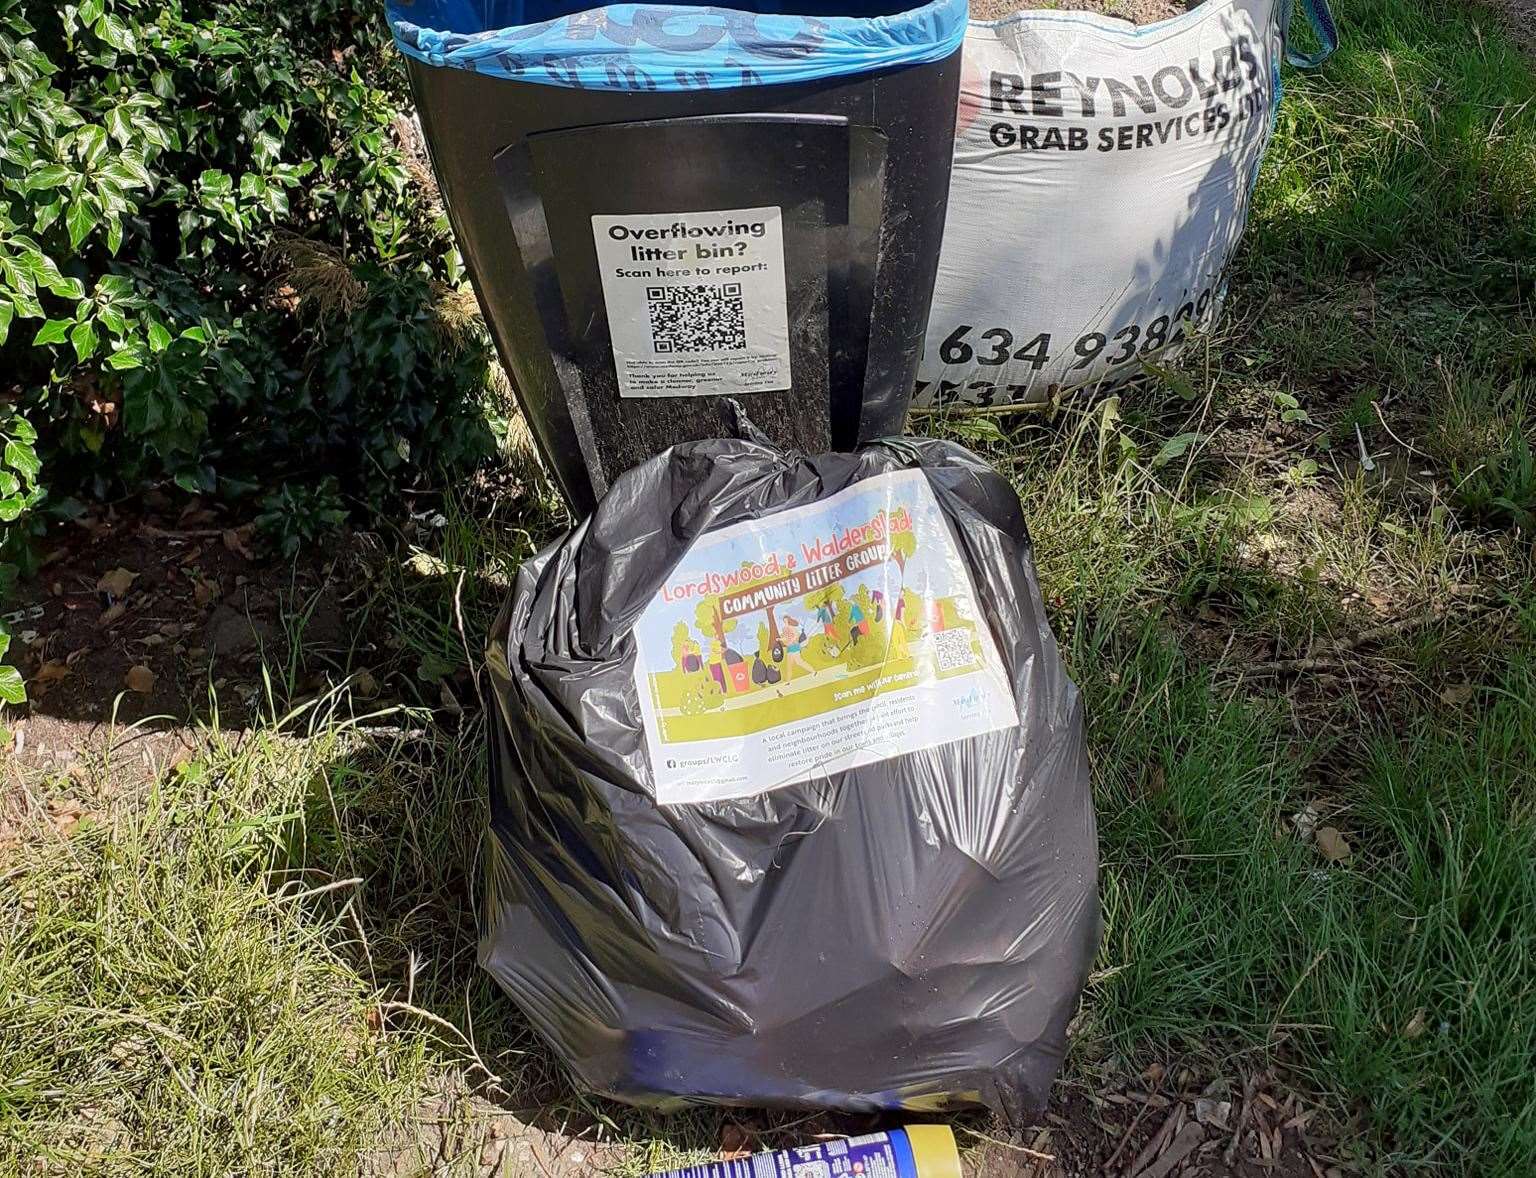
[(1174, 448), (84, 339), (45, 215), (48, 176), (1173, 380), (118, 126), (81, 219), (12, 689), (90, 143), (55, 331), (125, 358), (132, 163), (20, 457), (116, 34)]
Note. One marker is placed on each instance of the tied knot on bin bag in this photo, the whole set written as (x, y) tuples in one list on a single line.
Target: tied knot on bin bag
[(789, 794)]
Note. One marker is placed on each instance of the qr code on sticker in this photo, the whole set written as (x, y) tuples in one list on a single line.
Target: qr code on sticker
[(953, 649), (703, 318)]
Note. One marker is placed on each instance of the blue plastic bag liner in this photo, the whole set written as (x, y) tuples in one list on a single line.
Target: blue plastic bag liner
[(669, 46)]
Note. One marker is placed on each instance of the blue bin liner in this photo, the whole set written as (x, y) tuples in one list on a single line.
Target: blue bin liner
[(668, 46)]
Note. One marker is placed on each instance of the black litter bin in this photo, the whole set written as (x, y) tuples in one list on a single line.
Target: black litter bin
[(662, 205)]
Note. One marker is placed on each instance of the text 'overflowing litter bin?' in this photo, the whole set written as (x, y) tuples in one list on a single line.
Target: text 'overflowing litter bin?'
[(696, 302)]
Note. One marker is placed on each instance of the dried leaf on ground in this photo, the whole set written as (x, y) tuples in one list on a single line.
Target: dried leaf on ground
[(735, 1143), (51, 671), (235, 541), (1415, 1025), (65, 814), (490, 1156), (1183, 1145), (117, 582), (1157, 1142), (1214, 1112), (424, 564), (112, 614), (1333, 846), (140, 679), (1305, 821)]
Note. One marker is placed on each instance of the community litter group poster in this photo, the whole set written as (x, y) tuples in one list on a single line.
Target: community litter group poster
[(818, 639)]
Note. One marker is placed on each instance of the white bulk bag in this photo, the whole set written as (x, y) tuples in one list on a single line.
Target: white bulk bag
[(1102, 175)]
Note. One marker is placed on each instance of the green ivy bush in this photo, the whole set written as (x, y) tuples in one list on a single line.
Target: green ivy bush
[(184, 188)]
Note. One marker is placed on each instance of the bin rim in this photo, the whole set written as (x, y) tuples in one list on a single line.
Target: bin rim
[(673, 47)]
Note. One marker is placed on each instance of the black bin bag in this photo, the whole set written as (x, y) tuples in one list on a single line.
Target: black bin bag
[(789, 796)]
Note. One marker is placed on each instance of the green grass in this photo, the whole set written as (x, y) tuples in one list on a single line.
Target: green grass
[(177, 997), (193, 986), (1403, 979), (1411, 145)]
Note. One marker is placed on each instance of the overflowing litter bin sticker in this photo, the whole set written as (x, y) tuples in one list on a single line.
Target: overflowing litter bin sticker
[(696, 302), (819, 639)]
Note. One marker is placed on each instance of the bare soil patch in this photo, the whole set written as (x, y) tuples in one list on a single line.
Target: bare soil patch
[(140, 619), (1519, 17), (1138, 12)]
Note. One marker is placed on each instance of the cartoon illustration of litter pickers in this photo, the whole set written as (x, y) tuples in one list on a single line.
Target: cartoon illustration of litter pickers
[(858, 626), (827, 616), (794, 642), (834, 620)]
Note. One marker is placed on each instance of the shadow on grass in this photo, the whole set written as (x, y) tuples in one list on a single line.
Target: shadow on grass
[(405, 814)]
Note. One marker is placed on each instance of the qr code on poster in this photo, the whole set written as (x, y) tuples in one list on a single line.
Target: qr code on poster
[(703, 318), (953, 649)]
